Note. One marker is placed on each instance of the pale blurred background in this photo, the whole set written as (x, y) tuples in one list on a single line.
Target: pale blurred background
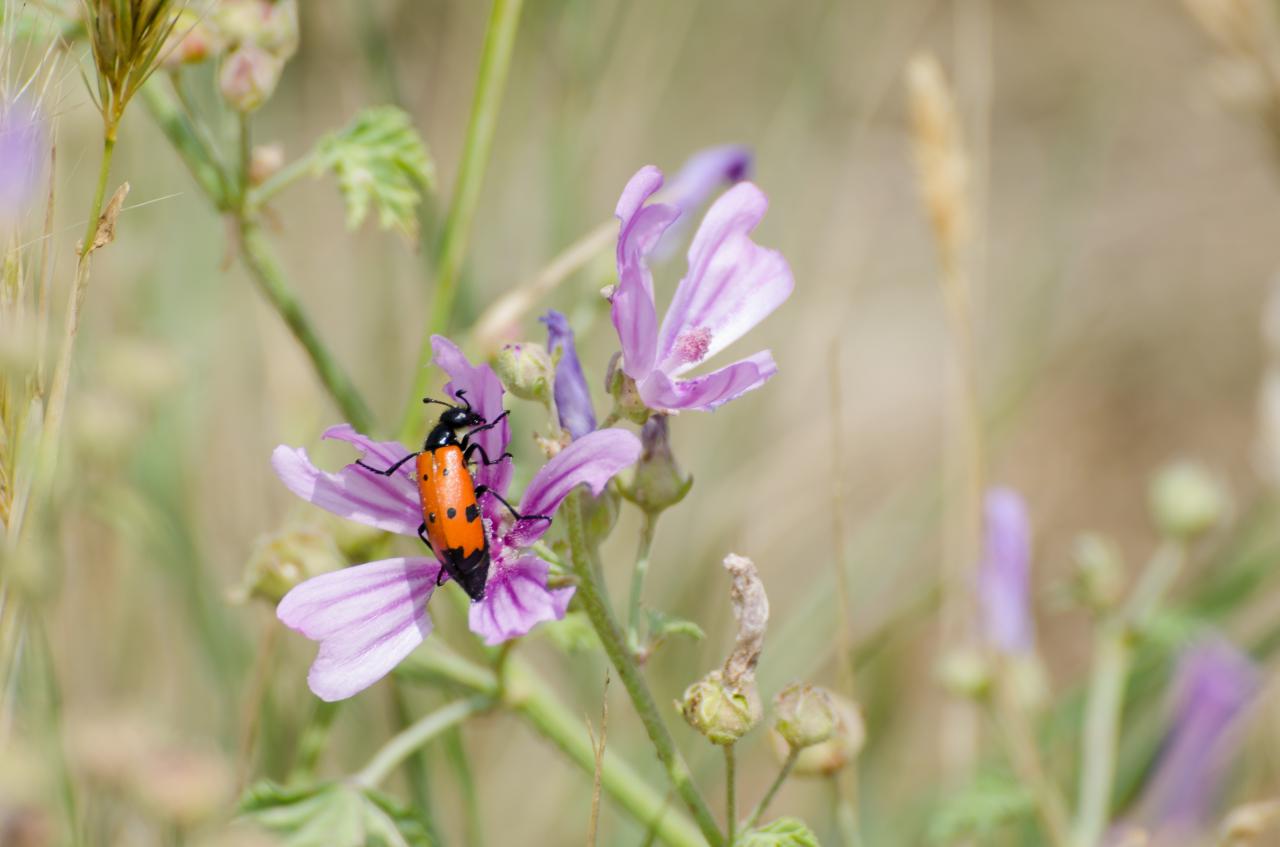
[(1130, 250)]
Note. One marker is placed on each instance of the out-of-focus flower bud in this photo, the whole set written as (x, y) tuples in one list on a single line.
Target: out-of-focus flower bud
[(284, 559), (269, 24), (573, 396), (718, 711), (526, 370), (248, 77), (626, 397), (1246, 824), (192, 39), (657, 483), (965, 672), (1186, 500), (848, 736), (184, 786), (265, 161), (1099, 574), (804, 715), (1026, 681)]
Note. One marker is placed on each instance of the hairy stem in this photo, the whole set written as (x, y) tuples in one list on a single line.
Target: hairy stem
[(591, 593), (495, 60), (648, 525), (406, 743), (783, 773), (730, 796)]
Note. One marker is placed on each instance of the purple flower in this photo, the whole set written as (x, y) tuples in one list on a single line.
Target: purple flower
[(1004, 577), (573, 397), (1214, 685), (699, 177), (369, 617), (732, 284), (21, 155)]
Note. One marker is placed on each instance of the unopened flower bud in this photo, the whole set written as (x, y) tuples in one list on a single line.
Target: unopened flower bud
[(1186, 500), (192, 40), (718, 711), (248, 77), (1099, 572), (526, 370), (657, 483), (626, 397), (848, 736), (269, 24), (965, 672), (284, 559), (804, 715), (265, 162), (601, 513)]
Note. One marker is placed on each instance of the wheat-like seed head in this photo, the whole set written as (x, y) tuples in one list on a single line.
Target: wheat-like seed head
[(941, 161)]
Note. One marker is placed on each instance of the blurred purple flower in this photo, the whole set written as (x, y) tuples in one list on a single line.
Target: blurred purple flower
[(732, 284), (573, 397), (1004, 577), (1214, 685), (369, 617), (701, 176), (21, 156)]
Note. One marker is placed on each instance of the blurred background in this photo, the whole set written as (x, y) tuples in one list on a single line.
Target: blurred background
[(1126, 194)]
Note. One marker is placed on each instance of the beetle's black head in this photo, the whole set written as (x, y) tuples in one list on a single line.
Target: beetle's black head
[(453, 418), (456, 418)]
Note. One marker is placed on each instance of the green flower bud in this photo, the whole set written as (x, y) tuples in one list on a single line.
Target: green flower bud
[(192, 40), (805, 715), (965, 672), (657, 483), (626, 397), (601, 514), (526, 370), (1099, 574), (719, 712), (284, 559), (248, 77), (1186, 500), (848, 736), (271, 25)]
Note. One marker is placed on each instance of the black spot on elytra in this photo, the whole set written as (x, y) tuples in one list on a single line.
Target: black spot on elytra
[(473, 512), (432, 517), (444, 471), (426, 477), (453, 513)]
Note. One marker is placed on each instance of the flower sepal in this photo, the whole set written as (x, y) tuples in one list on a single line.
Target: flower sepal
[(627, 403)]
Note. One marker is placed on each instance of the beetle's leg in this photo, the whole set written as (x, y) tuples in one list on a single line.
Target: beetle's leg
[(476, 448), (484, 489), (466, 439), (389, 471), (422, 533)]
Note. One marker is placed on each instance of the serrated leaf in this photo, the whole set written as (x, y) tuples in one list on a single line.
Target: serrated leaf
[(333, 815), (783, 832), (380, 161), (990, 801)]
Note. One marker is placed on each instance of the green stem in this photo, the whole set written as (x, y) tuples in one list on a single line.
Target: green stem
[(846, 813), (648, 525), (495, 60), (529, 696), (416, 769), (730, 796), (185, 140), (783, 773), (261, 263), (282, 179), (99, 195), (315, 736), (406, 743), (591, 594)]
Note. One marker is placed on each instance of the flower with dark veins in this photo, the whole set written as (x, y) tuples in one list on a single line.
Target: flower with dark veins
[(732, 284), (367, 618)]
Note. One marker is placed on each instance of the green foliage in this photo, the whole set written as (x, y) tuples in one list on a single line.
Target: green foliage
[(380, 160), (662, 626), (986, 804), (332, 815), (783, 832)]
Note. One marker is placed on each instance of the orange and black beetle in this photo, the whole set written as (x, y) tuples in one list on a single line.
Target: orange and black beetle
[(451, 526)]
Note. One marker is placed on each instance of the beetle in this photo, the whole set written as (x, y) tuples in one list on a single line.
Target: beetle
[(451, 526)]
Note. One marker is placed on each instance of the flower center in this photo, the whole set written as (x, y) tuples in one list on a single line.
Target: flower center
[(691, 346)]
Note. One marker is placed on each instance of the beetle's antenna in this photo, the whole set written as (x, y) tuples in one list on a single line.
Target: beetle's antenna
[(441, 402), (460, 394)]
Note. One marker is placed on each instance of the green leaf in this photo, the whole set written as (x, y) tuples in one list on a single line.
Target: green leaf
[(990, 801), (380, 161), (663, 626), (784, 832), (333, 814), (1173, 629)]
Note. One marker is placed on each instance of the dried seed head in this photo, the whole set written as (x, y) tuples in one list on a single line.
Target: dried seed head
[(941, 162), (751, 610), (126, 38), (719, 711)]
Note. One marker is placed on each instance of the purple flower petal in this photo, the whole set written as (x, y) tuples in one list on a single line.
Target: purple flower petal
[(22, 150), (573, 397), (732, 284), (633, 312), (1004, 578), (705, 393), (516, 599), (387, 503), (366, 618), (484, 391), (592, 460), (701, 175)]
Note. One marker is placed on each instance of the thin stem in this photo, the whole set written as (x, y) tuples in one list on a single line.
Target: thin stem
[(846, 811), (261, 263), (406, 743), (648, 525), (495, 60), (730, 796), (1027, 763), (289, 174), (185, 140), (590, 590), (315, 736), (99, 195), (783, 773)]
